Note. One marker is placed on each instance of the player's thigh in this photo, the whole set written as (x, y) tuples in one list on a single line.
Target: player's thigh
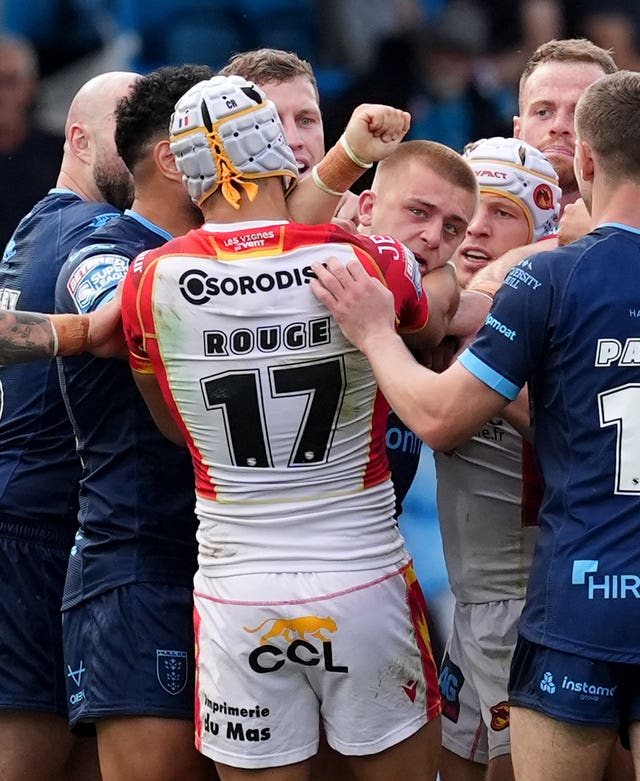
[(620, 764), (456, 768), (33, 745), (146, 748), (329, 765), (544, 748), (298, 771), (500, 769), (83, 764), (634, 742), (414, 759)]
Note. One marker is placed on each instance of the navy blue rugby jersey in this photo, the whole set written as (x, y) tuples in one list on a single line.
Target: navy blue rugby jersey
[(403, 452), (568, 322), (137, 493), (39, 468)]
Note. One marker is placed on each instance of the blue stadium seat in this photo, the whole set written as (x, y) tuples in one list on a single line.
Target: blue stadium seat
[(208, 31), (207, 41)]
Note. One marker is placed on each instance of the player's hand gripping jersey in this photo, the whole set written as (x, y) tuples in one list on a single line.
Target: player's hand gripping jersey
[(282, 415)]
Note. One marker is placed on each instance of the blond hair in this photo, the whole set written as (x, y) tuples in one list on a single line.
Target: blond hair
[(572, 50), (441, 159), (264, 66)]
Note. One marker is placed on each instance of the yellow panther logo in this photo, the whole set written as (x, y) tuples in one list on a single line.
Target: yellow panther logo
[(289, 628)]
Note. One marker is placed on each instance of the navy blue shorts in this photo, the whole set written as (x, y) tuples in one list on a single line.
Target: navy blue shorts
[(130, 652), (33, 565), (574, 688)]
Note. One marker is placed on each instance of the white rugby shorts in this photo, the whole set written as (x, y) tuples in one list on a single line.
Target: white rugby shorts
[(474, 678), (276, 653)]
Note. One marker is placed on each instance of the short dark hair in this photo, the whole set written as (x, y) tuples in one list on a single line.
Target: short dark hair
[(144, 115)]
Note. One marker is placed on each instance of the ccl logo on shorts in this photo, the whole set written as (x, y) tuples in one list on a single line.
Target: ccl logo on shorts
[(296, 633)]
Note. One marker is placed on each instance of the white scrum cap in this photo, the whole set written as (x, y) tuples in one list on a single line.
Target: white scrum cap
[(224, 133), (518, 171)]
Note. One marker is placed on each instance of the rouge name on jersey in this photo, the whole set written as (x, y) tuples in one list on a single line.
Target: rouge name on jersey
[(267, 339)]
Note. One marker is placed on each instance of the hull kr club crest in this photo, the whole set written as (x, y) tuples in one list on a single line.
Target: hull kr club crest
[(171, 669)]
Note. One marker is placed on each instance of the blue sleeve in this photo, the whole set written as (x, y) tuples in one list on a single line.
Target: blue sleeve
[(89, 278), (511, 343)]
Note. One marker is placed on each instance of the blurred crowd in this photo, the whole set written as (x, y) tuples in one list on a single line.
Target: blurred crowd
[(451, 61), (453, 64)]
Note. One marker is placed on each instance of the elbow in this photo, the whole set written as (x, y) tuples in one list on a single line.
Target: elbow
[(176, 438), (437, 434)]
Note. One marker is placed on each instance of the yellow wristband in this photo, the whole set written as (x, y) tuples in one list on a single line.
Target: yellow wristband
[(347, 148), (70, 333), (480, 293), (321, 185)]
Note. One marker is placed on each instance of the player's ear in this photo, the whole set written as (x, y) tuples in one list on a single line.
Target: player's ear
[(78, 140), (584, 160), (516, 127), (366, 201), (165, 161)]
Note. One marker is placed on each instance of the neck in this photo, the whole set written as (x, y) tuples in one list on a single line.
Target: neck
[(75, 179), (269, 204), (168, 207), (616, 203)]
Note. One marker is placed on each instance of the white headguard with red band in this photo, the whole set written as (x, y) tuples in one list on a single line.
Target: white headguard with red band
[(518, 171)]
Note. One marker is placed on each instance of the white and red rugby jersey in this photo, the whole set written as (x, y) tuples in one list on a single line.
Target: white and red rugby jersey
[(282, 415)]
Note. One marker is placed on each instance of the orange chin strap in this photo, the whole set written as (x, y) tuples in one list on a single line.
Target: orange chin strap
[(229, 182), (229, 178)]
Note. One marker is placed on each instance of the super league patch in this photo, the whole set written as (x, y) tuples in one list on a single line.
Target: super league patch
[(94, 277)]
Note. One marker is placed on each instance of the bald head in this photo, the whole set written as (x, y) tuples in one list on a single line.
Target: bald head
[(91, 165), (97, 99)]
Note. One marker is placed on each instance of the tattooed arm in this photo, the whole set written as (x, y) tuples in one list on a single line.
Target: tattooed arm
[(27, 336)]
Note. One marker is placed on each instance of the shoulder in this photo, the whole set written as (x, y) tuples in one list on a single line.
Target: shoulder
[(555, 260), (121, 236), (77, 215)]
